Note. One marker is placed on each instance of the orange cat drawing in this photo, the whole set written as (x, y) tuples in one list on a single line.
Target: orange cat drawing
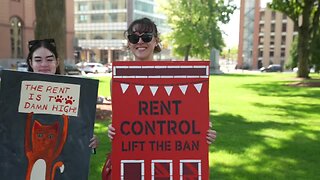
[(43, 145)]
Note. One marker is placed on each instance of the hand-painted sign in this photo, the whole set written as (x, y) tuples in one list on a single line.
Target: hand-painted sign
[(46, 123), (42, 97), (161, 116)]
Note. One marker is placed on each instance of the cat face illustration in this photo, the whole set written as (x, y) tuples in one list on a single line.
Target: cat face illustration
[(45, 136)]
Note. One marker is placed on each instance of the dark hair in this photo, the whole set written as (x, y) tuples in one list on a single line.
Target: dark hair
[(145, 25), (46, 43)]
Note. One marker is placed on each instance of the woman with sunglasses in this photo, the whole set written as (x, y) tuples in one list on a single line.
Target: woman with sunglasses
[(143, 42), (43, 58), (143, 39)]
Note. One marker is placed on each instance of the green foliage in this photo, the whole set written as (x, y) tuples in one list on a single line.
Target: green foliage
[(315, 52), (195, 25), (293, 58), (230, 53), (305, 15), (104, 86), (97, 160), (291, 8)]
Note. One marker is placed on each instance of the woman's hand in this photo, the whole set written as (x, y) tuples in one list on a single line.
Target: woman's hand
[(111, 131), (94, 142), (211, 134)]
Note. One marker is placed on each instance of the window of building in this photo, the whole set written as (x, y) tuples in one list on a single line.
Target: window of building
[(83, 18), (284, 27), (271, 54), (97, 37), (117, 35), (283, 40), (271, 40), (116, 4), (145, 7), (284, 16), (81, 36), (260, 53), (83, 7), (97, 18), (273, 27), (261, 28), (16, 37), (98, 6), (261, 40), (283, 52), (273, 15), (113, 17), (117, 17), (262, 16)]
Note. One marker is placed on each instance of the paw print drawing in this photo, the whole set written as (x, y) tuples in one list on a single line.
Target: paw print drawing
[(69, 100), (59, 99)]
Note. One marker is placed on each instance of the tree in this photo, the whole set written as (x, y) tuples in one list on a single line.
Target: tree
[(195, 25), (51, 23), (315, 51), (293, 58), (305, 16)]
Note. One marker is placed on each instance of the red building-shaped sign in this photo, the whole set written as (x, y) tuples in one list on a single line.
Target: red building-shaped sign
[(161, 116)]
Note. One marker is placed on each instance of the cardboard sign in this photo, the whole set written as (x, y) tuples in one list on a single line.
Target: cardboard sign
[(161, 117), (46, 123), (42, 97)]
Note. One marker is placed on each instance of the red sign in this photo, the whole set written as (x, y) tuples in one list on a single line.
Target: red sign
[(161, 116)]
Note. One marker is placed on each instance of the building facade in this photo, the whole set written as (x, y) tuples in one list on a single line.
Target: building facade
[(265, 36), (17, 24), (100, 26)]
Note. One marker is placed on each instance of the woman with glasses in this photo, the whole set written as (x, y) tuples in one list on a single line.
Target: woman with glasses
[(143, 42), (43, 58), (143, 39)]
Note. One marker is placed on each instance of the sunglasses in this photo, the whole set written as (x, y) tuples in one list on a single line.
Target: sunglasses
[(35, 42), (134, 38)]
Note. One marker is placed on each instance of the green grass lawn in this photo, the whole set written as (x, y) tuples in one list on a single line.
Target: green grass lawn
[(266, 129)]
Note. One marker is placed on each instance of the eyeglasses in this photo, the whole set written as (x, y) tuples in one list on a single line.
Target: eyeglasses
[(134, 38), (34, 42)]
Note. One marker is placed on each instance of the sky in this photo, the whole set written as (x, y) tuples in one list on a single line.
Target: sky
[(231, 30)]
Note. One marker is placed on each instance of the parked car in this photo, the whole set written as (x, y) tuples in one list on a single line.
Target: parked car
[(272, 68), (95, 68), (312, 69), (22, 66), (71, 69), (109, 66)]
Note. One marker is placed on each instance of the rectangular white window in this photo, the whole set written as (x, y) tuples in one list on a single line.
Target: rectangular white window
[(162, 169), (132, 169), (190, 169)]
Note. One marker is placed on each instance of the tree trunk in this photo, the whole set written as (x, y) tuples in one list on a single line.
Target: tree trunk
[(186, 56), (303, 55), (51, 23), (304, 41)]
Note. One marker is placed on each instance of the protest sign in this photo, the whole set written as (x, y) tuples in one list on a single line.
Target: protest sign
[(161, 116), (46, 124)]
